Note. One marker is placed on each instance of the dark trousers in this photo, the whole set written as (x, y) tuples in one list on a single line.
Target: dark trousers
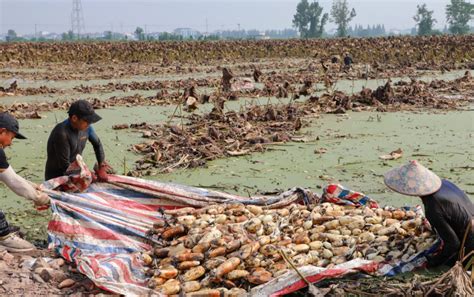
[(4, 228)]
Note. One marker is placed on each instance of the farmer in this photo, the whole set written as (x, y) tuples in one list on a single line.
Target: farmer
[(9, 240), (69, 138), (448, 209), (347, 61)]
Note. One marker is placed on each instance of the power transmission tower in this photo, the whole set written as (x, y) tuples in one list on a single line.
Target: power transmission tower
[(77, 19)]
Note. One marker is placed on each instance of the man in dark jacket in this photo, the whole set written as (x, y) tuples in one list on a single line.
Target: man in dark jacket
[(448, 209), (347, 61), (69, 138)]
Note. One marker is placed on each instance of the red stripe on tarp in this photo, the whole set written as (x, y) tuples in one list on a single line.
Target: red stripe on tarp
[(91, 215), (331, 189), (125, 271), (83, 271), (167, 207), (330, 273), (127, 206), (66, 254), (370, 268), (107, 197), (354, 196), (94, 265), (67, 229), (116, 205), (146, 186)]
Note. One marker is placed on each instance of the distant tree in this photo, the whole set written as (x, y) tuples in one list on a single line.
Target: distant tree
[(424, 20), (281, 34), (108, 35), (164, 36), (316, 22), (209, 37), (139, 33), (301, 18), (458, 14), (169, 36), (66, 36), (309, 19), (11, 35), (341, 15), (369, 31), (251, 33)]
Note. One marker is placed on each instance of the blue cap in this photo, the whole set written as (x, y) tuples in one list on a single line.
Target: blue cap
[(9, 122), (84, 110)]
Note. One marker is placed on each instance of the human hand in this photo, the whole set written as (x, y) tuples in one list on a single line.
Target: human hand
[(42, 200)]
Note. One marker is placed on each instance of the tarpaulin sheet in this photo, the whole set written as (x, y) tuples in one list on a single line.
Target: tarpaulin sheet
[(103, 231)]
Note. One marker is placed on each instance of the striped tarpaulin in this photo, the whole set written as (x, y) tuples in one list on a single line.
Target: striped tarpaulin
[(103, 230)]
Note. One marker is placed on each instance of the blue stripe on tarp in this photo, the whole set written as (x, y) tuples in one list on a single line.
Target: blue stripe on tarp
[(113, 269), (418, 260), (343, 193), (114, 227), (96, 249), (136, 273), (94, 188), (119, 216), (95, 207)]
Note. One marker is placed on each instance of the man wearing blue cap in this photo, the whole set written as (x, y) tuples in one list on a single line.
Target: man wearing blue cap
[(69, 138), (9, 240)]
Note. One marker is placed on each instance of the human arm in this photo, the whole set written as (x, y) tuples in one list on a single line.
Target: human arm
[(102, 168), (59, 151), (22, 187), (97, 145), (451, 243)]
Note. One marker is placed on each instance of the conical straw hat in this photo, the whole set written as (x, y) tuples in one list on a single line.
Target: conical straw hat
[(412, 179)]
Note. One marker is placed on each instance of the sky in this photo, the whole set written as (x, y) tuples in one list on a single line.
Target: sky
[(24, 16)]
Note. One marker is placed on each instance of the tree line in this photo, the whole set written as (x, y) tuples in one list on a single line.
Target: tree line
[(310, 20)]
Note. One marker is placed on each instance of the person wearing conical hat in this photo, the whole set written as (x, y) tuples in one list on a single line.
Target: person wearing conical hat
[(448, 209)]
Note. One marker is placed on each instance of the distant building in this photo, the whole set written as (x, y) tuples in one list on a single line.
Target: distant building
[(154, 35), (258, 36), (395, 32), (186, 32), (262, 36)]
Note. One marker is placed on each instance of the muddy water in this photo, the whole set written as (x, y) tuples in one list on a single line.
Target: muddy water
[(353, 145), (69, 84), (344, 85), (442, 141), (350, 86), (427, 76)]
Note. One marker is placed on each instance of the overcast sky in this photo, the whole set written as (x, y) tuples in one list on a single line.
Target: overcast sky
[(166, 15)]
